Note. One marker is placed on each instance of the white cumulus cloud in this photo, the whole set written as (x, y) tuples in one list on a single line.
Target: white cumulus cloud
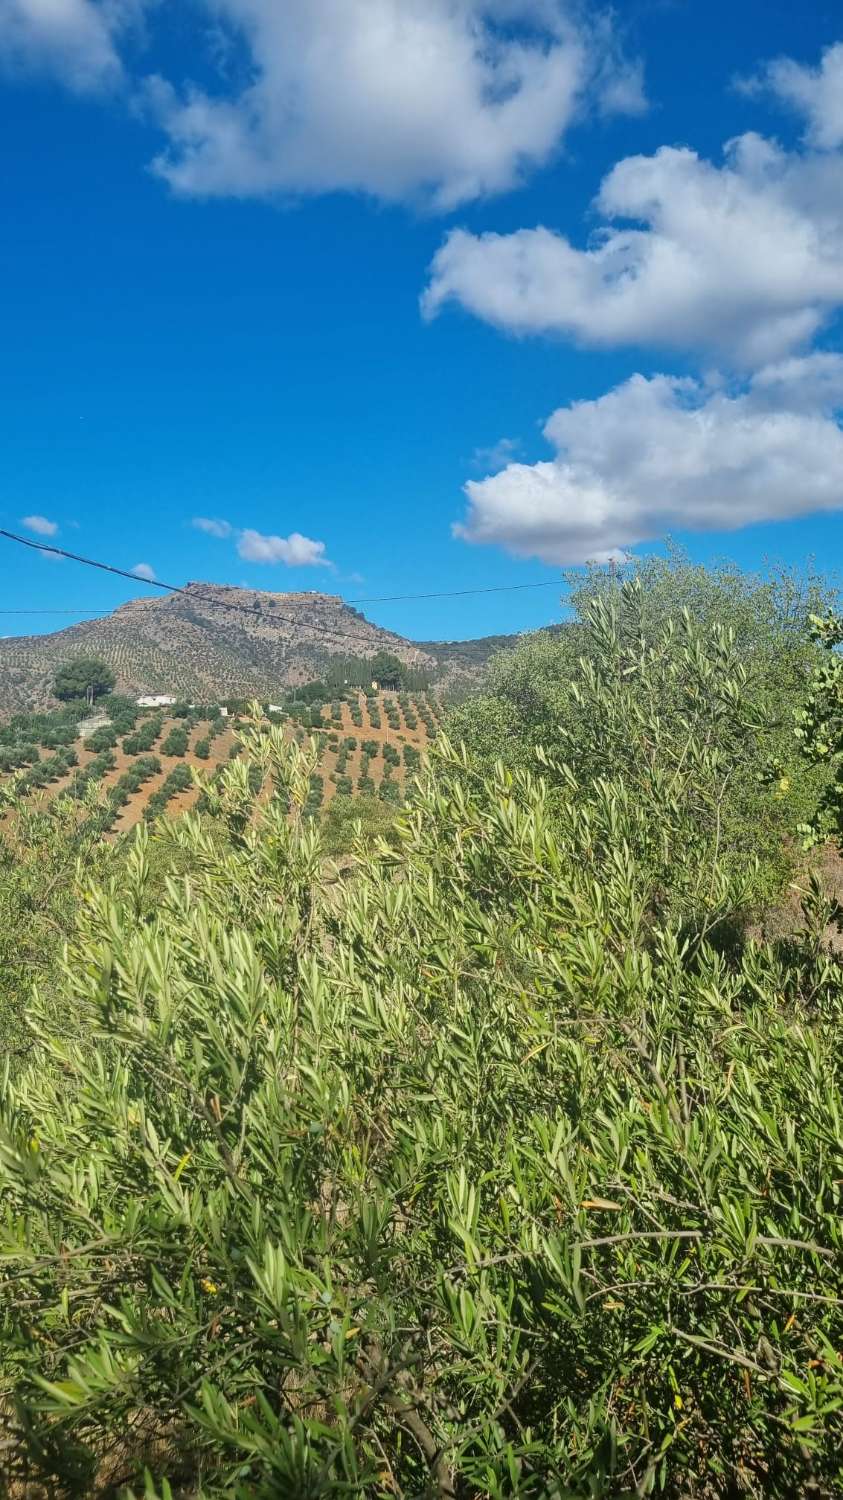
[(814, 93), (40, 525), (295, 550), (441, 100), (664, 454), (743, 259), (144, 570), (74, 40)]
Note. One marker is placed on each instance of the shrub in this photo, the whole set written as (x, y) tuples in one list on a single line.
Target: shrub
[(93, 771), (102, 739), (474, 1172), (144, 737), (176, 742), (202, 748), (177, 781)]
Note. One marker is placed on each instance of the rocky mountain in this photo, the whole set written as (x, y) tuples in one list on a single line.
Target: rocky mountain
[(213, 642)]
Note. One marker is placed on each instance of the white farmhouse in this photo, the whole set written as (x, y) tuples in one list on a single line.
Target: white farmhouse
[(158, 700)]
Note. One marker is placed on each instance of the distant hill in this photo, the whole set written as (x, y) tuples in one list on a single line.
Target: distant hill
[(196, 645)]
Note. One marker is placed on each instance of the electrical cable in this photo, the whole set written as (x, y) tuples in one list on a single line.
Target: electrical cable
[(194, 594)]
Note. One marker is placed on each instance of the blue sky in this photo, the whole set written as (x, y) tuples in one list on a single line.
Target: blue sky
[(221, 220)]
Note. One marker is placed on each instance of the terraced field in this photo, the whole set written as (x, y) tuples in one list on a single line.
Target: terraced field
[(369, 745)]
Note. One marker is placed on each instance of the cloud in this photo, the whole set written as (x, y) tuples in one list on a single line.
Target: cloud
[(439, 100), (73, 40), (495, 457), (814, 93), (744, 259), (663, 454), (40, 525), (143, 570), (213, 527), (295, 550)]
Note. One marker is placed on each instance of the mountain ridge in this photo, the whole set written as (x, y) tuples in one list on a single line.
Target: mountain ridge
[(215, 641)]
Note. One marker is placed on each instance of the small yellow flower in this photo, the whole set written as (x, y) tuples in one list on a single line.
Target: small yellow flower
[(209, 1286), (678, 1402)]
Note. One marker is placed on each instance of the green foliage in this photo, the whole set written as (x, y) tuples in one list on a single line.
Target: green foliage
[(472, 1175), (47, 854), (82, 676), (504, 1166), (202, 748), (534, 695), (122, 711), (176, 742), (91, 773), (102, 739), (145, 737), (820, 729), (42, 772), (178, 780), (13, 756)]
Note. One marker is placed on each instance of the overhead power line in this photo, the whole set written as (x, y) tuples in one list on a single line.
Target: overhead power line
[(192, 593)]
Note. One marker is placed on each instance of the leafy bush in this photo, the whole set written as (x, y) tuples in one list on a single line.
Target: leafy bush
[(546, 693), (131, 781), (145, 737), (176, 742), (202, 748), (92, 772), (42, 772), (102, 739), (13, 756), (178, 780), (41, 850), (476, 1176)]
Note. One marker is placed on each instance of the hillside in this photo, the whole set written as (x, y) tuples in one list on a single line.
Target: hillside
[(196, 645), (368, 744)]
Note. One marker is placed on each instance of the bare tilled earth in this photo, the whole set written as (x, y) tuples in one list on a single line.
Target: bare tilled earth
[(224, 742)]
